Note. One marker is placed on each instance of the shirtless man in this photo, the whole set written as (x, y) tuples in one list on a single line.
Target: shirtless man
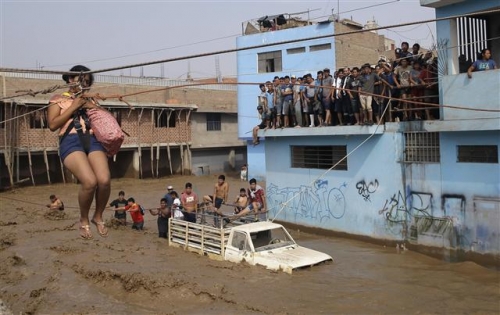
[(221, 191), (189, 200), (241, 201)]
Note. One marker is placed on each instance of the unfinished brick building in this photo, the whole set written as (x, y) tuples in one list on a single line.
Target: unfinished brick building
[(176, 130)]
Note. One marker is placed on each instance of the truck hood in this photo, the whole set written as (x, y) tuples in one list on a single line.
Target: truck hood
[(290, 257)]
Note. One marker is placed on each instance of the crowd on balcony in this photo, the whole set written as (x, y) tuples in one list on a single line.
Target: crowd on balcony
[(355, 95)]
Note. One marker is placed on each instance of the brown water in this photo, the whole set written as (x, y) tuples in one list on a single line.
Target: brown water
[(46, 269)]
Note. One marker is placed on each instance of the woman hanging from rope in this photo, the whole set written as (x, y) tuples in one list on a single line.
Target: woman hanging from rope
[(80, 152)]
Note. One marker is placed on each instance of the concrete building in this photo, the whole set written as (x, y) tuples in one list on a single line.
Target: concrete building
[(179, 130), (296, 58), (429, 184)]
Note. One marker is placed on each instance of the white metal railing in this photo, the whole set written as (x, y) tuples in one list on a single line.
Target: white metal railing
[(145, 81)]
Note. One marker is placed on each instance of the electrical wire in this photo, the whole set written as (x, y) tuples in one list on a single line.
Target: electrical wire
[(246, 48)]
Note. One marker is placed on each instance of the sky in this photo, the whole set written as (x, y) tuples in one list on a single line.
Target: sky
[(57, 34)]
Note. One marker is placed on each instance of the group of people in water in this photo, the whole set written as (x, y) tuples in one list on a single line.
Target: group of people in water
[(188, 206)]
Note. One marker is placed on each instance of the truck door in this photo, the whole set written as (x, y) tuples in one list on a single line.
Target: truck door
[(239, 248)]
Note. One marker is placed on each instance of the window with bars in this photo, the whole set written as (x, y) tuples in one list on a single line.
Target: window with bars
[(320, 157), (269, 61), (422, 147), (161, 119), (213, 122), (477, 154)]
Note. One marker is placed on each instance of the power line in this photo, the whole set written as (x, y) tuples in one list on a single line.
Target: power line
[(147, 52), (250, 47)]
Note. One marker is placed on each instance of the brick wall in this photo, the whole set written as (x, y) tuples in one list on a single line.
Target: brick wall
[(143, 131), (354, 50)]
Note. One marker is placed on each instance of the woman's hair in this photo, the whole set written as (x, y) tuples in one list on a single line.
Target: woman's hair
[(78, 68)]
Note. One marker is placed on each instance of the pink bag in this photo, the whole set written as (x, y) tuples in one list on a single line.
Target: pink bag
[(106, 130)]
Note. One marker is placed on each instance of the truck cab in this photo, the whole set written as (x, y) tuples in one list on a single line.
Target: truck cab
[(269, 244)]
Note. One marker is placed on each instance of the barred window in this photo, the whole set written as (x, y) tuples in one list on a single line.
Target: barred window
[(161, 118), (269, 61), (422, 147), (298, 50), (477, 154), (320, 47), (213, 122), (321, 157)]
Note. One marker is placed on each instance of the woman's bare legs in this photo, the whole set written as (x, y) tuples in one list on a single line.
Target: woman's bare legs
[(78, 164), (92, 172), (99, 163)]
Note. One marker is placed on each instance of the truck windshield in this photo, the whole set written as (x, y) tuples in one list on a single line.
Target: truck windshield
[(271, 239)]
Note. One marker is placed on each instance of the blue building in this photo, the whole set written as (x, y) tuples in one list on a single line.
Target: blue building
[(430, 184), (259, 65)]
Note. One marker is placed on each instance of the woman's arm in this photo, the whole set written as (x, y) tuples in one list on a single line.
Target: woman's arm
[(55, 119)]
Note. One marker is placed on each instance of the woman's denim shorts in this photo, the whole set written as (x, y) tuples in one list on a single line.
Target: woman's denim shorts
[(71, 143)]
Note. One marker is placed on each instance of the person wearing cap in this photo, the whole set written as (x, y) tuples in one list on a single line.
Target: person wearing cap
[(163, 213), (264, 124), (168, 197)]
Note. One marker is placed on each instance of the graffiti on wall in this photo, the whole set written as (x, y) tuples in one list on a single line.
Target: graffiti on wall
[(318, 202), (366, 189)]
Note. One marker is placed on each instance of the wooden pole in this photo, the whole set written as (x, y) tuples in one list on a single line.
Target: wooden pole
[(168, 145), (139, 142), (29, 151), (151, 143), (45, 156), (158, 148), (7, 153)]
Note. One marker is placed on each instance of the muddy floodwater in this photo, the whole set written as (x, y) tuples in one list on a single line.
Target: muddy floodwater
[(45, 268)]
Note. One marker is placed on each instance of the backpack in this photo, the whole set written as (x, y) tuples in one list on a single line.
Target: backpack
[(141, 208)]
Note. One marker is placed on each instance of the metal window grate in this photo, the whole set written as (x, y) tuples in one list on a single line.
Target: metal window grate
[(477, 154), (422, 147), (320, 157)]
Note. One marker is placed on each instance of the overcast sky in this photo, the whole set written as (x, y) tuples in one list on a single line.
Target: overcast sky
[(56, 35)]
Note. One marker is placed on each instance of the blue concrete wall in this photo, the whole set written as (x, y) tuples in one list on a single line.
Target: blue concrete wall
[(445, 204), (480, 92), (256, 161), (298, 64), (464, 7)]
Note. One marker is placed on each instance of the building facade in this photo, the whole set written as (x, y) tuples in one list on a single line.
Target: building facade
[(428, 184), (166, 133)]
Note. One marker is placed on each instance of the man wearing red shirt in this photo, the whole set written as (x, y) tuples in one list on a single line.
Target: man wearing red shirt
[(135, 213)]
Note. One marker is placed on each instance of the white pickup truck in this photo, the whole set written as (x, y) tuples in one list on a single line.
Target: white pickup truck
[(258, 243)]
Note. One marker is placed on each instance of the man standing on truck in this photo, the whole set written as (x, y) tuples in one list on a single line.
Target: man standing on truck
[(189, 201), (221, 191), (256, 201)]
